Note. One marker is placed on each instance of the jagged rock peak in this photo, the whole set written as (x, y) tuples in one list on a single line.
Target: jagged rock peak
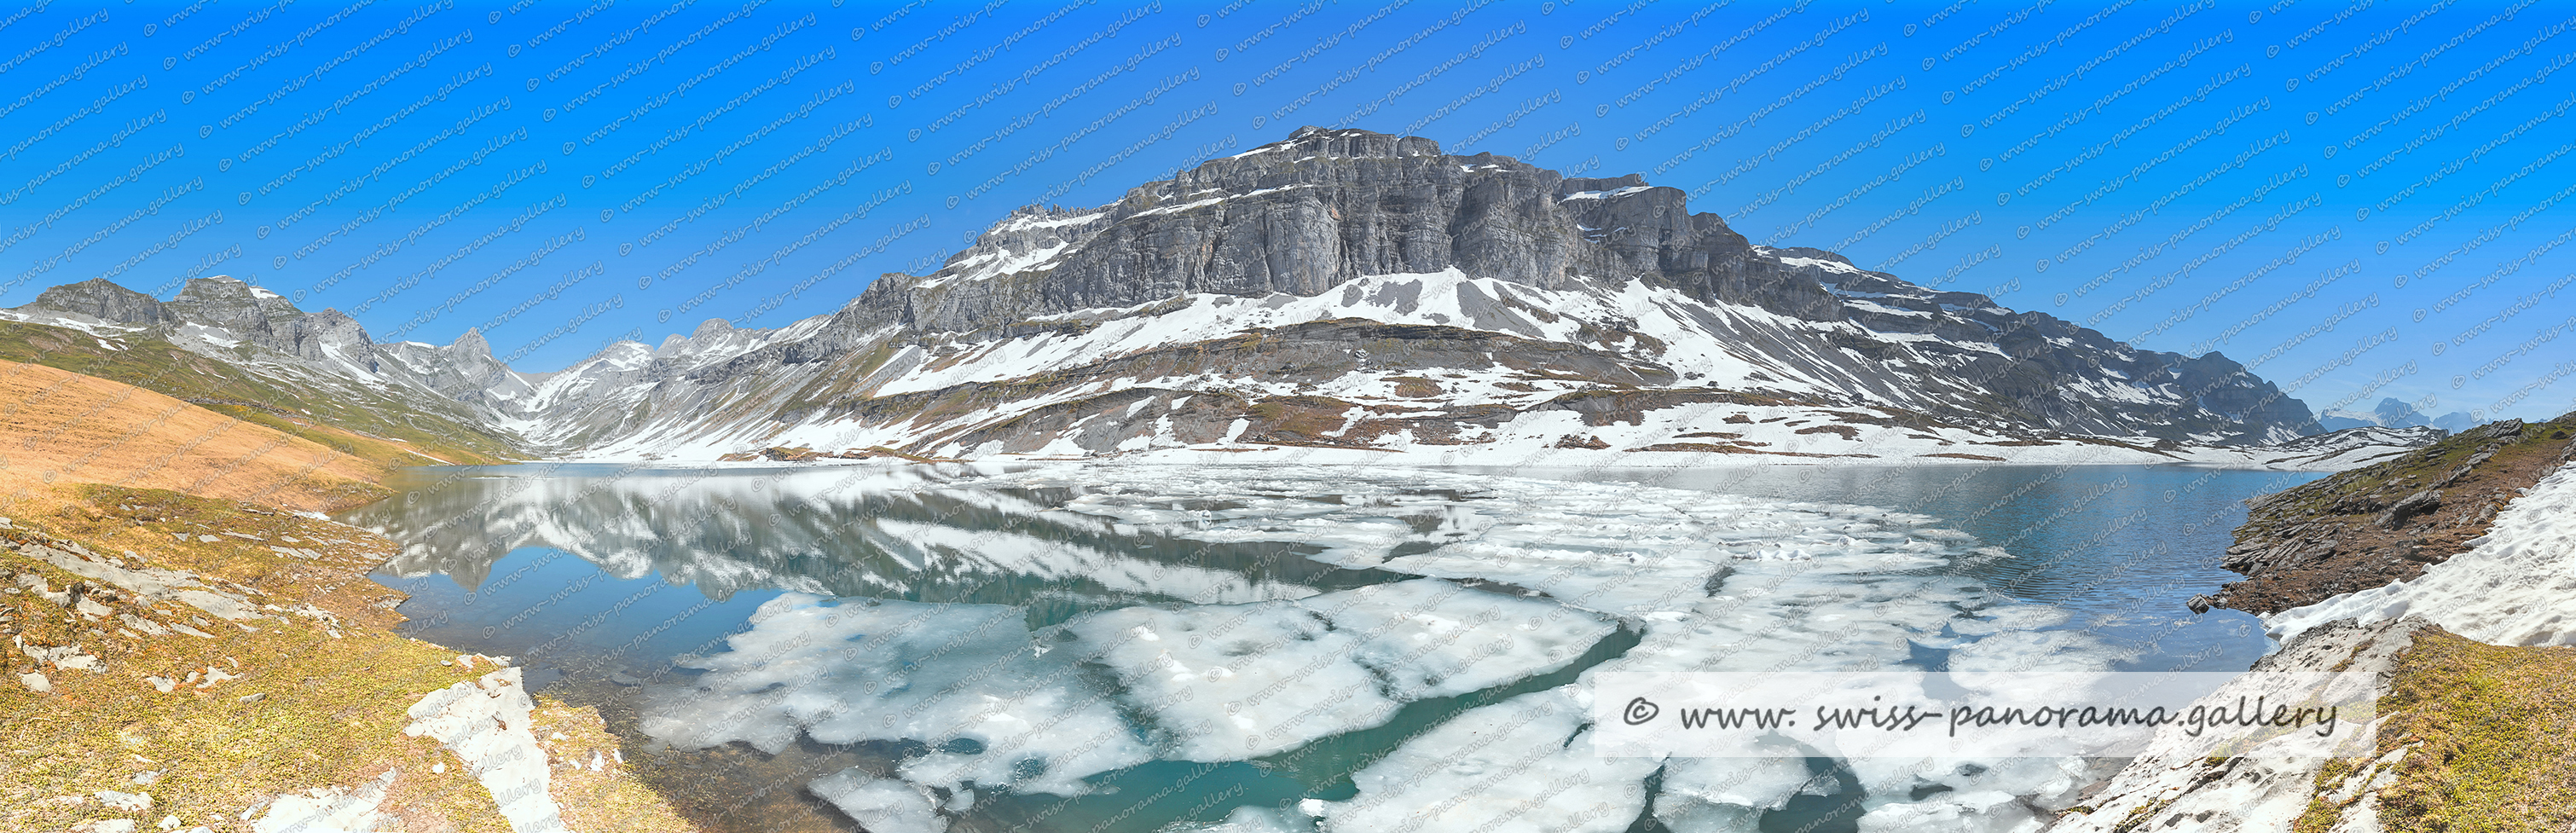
[(1309, 213), (712, 328), (1348, 142), (471, 343)]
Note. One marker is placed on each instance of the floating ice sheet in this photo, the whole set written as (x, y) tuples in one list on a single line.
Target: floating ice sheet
[(882, 805), (1730, 794), (1227, 682), (854, 670), (1237, 682), (1524, 764)]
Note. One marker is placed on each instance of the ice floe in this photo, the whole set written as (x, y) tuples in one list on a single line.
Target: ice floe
[(844, 671), (1524, 764), (881, 805)]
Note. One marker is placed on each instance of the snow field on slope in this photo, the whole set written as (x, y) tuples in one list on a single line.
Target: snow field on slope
[(1446, 298), (1528, 439)]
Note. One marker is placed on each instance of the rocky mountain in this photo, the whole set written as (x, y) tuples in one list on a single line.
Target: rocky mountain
[(274, 363), (2456, 421), (2346, 448), (2391, 413), (1342, 289), (1355, 289)]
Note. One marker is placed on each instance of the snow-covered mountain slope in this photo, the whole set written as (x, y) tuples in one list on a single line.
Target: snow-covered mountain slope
[(2348, 448), (1351, 289), (1339, 289)]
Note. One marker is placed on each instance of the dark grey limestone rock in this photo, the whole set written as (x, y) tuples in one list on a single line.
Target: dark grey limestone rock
[(2404, 510)]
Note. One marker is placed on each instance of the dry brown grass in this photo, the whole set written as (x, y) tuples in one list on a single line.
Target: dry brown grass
[(63, 427)]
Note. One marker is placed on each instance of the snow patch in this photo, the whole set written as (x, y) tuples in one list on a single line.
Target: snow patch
[(486, 723)]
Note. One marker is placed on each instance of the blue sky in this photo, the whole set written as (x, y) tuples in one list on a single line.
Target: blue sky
[(2358, 199)]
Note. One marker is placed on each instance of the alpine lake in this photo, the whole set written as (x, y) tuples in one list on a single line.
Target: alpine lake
[(1107, 647)]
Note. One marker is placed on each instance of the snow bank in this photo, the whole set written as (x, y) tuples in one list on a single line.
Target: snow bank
[(485, 722)]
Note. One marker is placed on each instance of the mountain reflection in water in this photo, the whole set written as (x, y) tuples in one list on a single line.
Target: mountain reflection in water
[(921, 533)]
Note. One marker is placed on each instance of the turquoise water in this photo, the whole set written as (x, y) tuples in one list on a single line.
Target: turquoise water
[(624, 588)]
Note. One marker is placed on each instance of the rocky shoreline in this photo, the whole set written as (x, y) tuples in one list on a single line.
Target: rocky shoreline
[(2470, 735), (186, 663), (2387, 522)]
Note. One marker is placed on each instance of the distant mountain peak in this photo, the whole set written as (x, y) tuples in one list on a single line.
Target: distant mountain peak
[(2397, 414)]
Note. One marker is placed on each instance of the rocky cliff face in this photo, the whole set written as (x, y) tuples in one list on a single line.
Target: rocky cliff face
[(97, 298), (220, 308), (1473, 301), (1326, 207)]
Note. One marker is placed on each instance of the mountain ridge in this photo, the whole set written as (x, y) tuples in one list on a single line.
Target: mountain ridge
[(1338, 288)]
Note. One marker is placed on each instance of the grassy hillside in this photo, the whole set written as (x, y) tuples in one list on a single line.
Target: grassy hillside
[(182, 646), (2389, 521), (370, 425), (59, 426)]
